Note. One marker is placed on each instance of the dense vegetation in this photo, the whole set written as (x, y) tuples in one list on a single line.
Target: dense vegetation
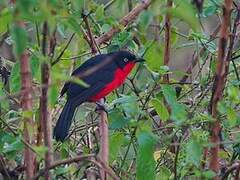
[(177, 116)]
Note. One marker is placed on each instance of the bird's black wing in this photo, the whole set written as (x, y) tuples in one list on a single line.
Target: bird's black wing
[(82, 68), (103, 74)]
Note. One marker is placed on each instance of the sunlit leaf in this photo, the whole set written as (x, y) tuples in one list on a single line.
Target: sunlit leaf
[(145, 159), (185, 11), (53, 94), (116, 141), (231, 116), (154, 56), (161, 109), (164, 173), (169, 94), (99, 12), (5, 19)]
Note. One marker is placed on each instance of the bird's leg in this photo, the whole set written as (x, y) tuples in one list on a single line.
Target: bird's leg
[(101, 106)]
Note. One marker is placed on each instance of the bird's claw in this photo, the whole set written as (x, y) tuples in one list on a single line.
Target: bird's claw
[(100, 107)]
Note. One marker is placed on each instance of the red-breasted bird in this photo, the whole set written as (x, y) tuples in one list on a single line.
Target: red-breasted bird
[(103, 73)]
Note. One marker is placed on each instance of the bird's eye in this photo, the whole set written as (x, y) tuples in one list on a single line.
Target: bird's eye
[(125, 60)]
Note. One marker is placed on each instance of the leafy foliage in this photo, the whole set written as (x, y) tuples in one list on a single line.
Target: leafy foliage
[(158, 129)]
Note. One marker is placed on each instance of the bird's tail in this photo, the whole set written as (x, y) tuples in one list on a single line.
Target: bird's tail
[(64, 122)]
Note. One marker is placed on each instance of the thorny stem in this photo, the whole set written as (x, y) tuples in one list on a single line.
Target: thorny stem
[(45, 121), (218, 86)]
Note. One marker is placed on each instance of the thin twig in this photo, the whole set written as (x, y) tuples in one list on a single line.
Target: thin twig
[(63, 50), (123, 22)]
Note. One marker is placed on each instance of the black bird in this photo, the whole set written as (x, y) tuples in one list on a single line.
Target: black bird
[(103, 73)]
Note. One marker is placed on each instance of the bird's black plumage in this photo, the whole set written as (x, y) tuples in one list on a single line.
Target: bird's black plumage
[(97, 72)]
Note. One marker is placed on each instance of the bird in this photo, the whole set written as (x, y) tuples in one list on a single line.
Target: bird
[(102, 73)]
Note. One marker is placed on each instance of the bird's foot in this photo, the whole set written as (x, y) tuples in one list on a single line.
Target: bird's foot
[(101, 107)]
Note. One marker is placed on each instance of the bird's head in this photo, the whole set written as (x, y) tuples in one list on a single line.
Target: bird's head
[(122, 58)]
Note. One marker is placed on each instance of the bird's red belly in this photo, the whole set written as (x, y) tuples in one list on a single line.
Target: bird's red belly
[(119, 78)]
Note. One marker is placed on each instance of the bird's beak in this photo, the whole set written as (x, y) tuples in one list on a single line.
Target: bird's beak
[(139, 59)]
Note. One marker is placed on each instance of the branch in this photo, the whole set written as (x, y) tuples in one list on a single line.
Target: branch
[(232, 41), (195, 60), (234, 167), (88, 158), (167, 39), (218, 86), (123, 22), (45, 121), (62, 52), (26, 104), (92, 42), (104, 141)]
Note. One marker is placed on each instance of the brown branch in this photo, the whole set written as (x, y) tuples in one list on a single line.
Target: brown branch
[(232, 41), (45, 121), (89, 158), (26, 104), (3, 169), (167, 40), (218, 86), (123, 22), (104, 142), (91, 40), (103, 123), (62, 52), (234, 167)]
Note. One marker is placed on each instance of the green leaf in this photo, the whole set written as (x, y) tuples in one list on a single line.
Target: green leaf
[(99, 14), (116, 119), (78, 5), (185, 11), (178, 113), (53, 95), (144, 20), (12, 149), (169, 94), (174, 36), (41, 150), (154, 56), (194, 152), (5, 19), (62, 170), (209, 11), (15, 81), (35, 64), (164, 173), (116, 141), (27, 114), (209, 174), (161, 109), (145, 158), (4, 104), (234, 93), (231, 116), (20, 39), (128, 104)]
